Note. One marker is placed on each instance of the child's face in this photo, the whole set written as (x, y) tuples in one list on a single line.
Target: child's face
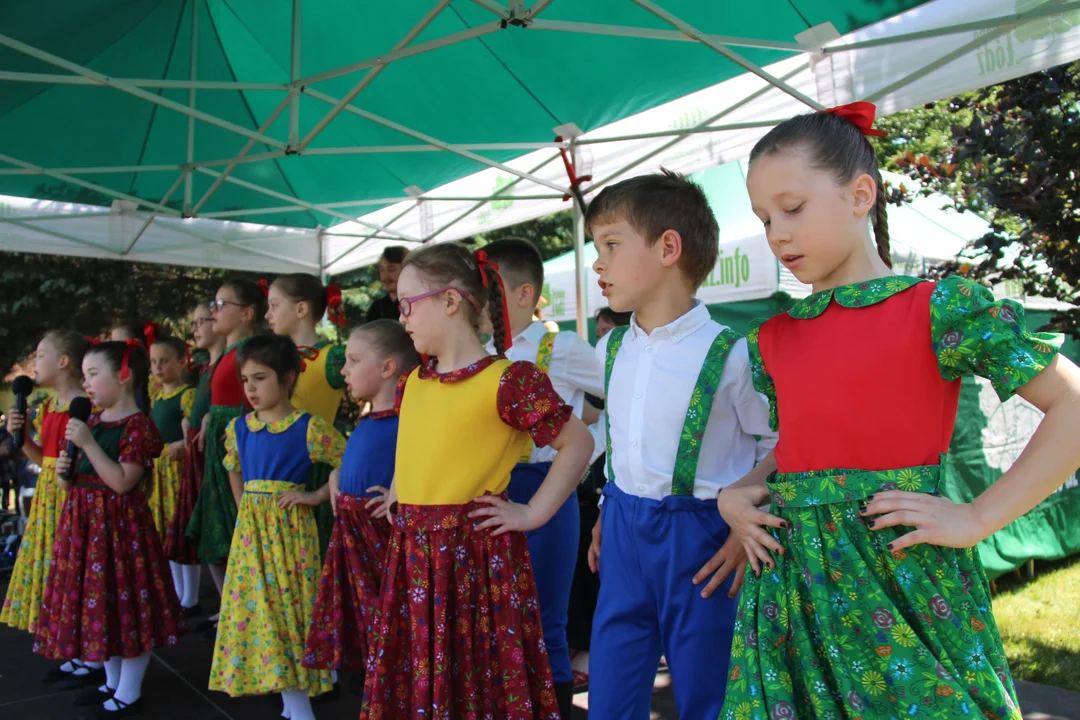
[(164, 364), (101, 382), (628, 266), (283, 313), (47, 364), (364, 371), (428, 318), (261, 386), (811, 222), (118, 334), (201, 324), (230, 315)]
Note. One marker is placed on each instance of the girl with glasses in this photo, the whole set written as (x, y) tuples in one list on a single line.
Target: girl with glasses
[(237, 312), (458, 563)]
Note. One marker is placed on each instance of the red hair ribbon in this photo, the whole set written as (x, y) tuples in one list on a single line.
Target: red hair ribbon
[(484, 263), (187, 357), (571, 172), (130, 344), (92, 341), (333, 305), (264, 286), (150, 332), (861, 115)]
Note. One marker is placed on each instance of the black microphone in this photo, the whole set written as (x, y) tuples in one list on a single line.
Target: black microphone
[(78, 410), (22, 386)]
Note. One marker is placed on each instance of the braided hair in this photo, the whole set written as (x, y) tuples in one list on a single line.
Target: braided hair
[(454, 265), (838, 146)]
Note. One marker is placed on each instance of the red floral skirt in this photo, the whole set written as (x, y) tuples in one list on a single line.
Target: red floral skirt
[(348, 599), (109, 591), (177, 547), (459, 632)]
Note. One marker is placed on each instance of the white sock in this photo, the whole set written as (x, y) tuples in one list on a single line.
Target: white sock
[(299, 705), (191, 585), (112, 674), (177, 578), (70, 666), (132, 671), (217, 572), (333, 676), (214, 618), (286, 711), (83, 668)]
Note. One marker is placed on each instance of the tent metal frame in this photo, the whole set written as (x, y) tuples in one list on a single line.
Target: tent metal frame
[(506, 13)]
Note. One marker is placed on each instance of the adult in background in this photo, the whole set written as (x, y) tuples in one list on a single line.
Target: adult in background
[(386, 306)]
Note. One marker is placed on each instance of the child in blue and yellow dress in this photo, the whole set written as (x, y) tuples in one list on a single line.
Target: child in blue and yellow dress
[(295, 305), (872, 602), (459, 628), (378, 354), (274, 561)]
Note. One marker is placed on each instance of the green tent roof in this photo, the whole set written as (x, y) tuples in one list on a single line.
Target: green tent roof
[(494, 85)]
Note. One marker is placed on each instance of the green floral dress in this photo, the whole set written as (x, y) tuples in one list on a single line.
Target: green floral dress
[(863, 383)]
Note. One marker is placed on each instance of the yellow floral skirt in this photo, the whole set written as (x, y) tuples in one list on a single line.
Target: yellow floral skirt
[(23, 602), (270, 587), (162, 490)]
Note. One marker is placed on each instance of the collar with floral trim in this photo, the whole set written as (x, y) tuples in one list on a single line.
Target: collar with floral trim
[(856, 295), (174, 393), (254, 424), (428, 369), (380, 414)]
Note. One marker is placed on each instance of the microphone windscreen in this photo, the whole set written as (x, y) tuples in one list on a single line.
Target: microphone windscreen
[(22, 385), (80, 408)]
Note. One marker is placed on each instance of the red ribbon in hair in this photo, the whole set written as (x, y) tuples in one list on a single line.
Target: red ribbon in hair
[(484, 263), (861, 115), (130, 344), (92, 341), (264, 286), (150, 332), (333, 305)]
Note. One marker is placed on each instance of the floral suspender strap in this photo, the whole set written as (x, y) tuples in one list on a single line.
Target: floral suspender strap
[(543, 361), (697, 415)]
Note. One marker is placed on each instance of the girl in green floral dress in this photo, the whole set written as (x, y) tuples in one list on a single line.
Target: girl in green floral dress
[(867, 598)]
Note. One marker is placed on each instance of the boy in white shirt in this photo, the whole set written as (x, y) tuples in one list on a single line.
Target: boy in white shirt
[(682, 418), (570, 364)]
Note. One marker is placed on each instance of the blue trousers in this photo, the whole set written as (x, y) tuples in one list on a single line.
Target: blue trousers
[(553, 553), (649, 553)]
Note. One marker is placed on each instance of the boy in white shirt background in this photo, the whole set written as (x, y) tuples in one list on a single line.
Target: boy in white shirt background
[(570, 363), (684, 421)]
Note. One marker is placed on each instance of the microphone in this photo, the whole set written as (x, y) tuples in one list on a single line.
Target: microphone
[(22, 386), (78, 410)]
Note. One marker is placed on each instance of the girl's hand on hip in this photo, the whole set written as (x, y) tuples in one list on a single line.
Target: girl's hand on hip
[(936, 520)]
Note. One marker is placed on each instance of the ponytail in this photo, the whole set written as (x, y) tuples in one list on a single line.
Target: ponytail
[(881, 225)]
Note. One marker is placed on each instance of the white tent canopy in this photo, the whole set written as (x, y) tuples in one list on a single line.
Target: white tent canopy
[(936, 50)]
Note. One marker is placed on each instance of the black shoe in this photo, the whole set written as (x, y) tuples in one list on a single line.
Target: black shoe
[(206, 625), (100, 713), (96, 677), (54, 675), (193, 611), (564, 697), (333, 694), (211, 633), (92, 697)]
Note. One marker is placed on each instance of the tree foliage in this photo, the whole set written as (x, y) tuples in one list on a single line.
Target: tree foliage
[(1010, 153)]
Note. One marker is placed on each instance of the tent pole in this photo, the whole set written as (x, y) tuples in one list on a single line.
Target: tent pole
[(62, 236), (192, 74), (132, 90), (580, 276), (57, 79), (366, 238), (431, 141), (372, 74), (570, 26), (730, 54), (294, 75), (183, 177)]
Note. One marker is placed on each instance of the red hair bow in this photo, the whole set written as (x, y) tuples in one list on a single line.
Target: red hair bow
[(130, 344), (264, 286), (92, 341), (333, 305), (482, 260), (150, 332), (861, 115)]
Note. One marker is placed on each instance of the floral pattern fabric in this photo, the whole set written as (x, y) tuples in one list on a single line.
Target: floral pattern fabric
[(527, 401), (459, 628), (335, 361), (347, 604), (973, 333), (177, 547), (214, 517), (267, 600)]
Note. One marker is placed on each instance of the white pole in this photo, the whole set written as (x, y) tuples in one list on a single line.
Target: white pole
[(581, 287), (294, 75), (190, 119)]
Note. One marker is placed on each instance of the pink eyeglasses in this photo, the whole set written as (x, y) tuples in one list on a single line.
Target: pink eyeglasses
[(405, 305)]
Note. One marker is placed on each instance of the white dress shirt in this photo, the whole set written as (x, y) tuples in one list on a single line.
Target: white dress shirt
[(648, 396), (573, 372)]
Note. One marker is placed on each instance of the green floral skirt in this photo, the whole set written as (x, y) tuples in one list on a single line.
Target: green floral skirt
[(214, 516), (845, 628)]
